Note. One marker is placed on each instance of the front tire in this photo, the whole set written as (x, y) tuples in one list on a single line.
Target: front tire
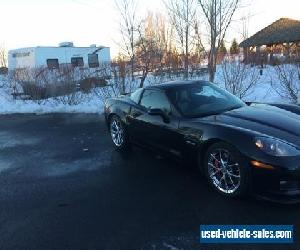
[(118, 133), (227, 170)]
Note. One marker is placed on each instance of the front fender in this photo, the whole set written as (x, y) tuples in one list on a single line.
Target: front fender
[(121, 109)]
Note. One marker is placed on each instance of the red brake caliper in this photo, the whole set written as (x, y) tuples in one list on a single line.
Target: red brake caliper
[(217, 166)]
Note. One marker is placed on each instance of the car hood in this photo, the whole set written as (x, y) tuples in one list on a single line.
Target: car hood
[(263, 119)]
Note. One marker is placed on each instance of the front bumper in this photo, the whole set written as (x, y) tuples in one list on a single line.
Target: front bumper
[(279, 185)]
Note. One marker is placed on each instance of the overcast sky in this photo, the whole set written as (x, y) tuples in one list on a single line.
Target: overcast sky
[(27, 23)]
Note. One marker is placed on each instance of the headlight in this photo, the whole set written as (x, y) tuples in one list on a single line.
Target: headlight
[(276, 147)]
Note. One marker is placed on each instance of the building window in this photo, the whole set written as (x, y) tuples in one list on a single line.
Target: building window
[(93, 60), (20, 54), (77, 62), (52, 63)]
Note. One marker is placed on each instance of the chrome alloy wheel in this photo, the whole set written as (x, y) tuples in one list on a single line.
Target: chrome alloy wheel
[(223, 172), (117, 132)]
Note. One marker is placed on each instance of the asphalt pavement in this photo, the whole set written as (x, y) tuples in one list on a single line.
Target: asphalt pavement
[(63, 186)]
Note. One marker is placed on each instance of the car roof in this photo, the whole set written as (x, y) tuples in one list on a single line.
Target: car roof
[(176, 84)]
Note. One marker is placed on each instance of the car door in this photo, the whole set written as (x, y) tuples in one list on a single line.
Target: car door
[(153, 130)]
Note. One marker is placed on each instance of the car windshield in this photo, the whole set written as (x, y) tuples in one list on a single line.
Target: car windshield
[(135, 96), (203, 99)]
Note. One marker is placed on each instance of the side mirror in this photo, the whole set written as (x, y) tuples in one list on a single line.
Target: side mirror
[(159, 112)]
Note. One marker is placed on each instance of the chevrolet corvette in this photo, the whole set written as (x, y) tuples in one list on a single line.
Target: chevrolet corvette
[(240, 148)]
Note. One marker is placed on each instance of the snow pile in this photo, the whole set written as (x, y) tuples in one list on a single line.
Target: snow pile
[(91, 103)]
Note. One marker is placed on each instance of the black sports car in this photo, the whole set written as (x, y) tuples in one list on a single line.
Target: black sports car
[(240, 147)]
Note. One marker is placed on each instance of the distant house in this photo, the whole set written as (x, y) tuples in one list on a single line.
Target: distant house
[(278, 42), (45, 57)]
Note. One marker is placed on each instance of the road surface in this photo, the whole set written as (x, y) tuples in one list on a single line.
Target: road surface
[(63, 186)]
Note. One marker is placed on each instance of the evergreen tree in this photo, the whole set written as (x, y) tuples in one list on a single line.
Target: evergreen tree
[(222, 48), (234, 48)]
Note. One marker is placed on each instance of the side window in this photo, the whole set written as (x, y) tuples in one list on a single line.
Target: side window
[(93, 60), (77, 62), (52, 63), (155, 99), (135, 96)]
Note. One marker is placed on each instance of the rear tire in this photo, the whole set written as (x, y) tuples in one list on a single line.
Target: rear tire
[(118, 133), (227, 170)]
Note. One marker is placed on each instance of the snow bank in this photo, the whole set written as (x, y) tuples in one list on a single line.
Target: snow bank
[(51, 106), (91, 103)]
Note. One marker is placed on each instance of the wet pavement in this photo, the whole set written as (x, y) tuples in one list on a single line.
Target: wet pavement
[(63, 186)]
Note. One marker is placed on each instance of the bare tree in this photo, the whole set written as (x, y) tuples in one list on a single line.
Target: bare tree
[(129, 27), (152, 46), (240, 79), (199, 47), (163, 33), (182, 15), (245, 27), (286, 81), (145, 54), (3, 56), (218, 15)]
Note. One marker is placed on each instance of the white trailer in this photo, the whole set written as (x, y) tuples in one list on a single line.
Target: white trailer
[(91, 57), (54, 70)]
